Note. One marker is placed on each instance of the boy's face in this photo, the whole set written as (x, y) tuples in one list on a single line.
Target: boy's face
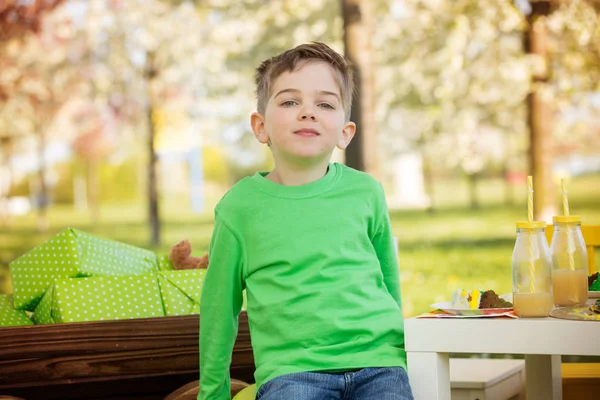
[(304, 119)]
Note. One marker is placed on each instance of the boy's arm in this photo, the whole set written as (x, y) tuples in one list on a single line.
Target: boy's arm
[(385, 246), (220, 304)]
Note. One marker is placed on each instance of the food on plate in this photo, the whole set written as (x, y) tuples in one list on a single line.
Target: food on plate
[(474, 299), (465, 299), (489, 299)]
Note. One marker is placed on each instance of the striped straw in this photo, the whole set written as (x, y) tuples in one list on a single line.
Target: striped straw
[(531, 233), (571, 249), (565, 197), (570, 242), (530, 198), (531, 263)]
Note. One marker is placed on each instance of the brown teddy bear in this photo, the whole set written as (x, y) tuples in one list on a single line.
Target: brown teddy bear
[(181, 258)]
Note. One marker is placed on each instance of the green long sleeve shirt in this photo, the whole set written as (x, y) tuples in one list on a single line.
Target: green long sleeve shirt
[(320, 270)]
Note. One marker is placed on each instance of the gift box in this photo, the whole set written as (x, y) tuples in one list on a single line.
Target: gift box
[(181, 290), (75, 277), (9, 316), (74, 254), (100, 298), (164, 264)]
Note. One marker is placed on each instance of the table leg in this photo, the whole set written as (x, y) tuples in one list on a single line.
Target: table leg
[(429, 375), (543, 376)]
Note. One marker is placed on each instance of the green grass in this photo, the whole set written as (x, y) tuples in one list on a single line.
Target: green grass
[(453, 247)]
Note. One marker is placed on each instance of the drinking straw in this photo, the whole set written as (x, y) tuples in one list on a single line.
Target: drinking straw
[(531, 238), (530, 198), (565, 197), (570, 243)]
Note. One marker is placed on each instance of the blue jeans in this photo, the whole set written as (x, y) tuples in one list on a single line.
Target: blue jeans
[(364, 384)]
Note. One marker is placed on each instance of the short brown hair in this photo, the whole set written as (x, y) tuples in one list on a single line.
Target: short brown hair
[(287, 61)]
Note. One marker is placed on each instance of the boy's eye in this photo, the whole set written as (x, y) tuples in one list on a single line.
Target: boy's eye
[(327, 105), (289, 103)]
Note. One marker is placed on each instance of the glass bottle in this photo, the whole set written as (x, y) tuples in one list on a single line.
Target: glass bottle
[(532, 271), (569, 262)]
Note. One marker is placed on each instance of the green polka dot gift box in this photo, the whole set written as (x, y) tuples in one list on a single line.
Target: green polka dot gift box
[(100, 298), (164, 264), (121, 297), (9, 316), (181, 290), (73, 253)]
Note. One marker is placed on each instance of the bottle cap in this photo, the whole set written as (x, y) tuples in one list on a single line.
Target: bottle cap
[(566, 218), (531, 225)]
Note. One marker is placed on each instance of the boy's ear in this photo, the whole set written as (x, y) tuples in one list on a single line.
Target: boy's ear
[(347, 135), (257, 121)]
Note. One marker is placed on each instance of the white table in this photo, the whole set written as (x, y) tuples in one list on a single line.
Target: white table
[(541, 340)]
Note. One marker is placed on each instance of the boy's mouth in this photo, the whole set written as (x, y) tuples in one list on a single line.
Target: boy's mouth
[(306, 132)]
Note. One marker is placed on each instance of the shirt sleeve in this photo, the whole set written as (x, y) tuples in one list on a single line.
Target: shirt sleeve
[(220, 305), (385, 247)]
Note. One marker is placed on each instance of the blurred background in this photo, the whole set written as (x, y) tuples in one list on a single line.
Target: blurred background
[(129, 119)]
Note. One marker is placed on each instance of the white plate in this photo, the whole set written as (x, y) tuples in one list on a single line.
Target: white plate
[(447, 306)]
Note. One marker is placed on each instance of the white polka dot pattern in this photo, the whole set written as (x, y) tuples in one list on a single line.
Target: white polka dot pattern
[(101, 298), (181, 291), (43, 311), (102, 257), (9, 316), (164, 264), (73, 253)]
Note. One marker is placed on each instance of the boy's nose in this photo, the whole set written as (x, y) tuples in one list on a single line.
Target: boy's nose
[(307, 112)]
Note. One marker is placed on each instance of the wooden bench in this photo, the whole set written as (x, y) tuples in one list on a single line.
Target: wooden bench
[(138, 358), (190, 391), (486, 379)]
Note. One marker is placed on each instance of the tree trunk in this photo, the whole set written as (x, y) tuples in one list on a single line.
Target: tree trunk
[(153, 217), (80, 191), (361, 154), (6, 178), (473, 179), (540, 117), (93, 189), (509, 193), (153, 214), (42, 192), (428, 182)]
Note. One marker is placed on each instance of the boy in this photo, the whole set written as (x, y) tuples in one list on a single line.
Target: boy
[(312, 245)]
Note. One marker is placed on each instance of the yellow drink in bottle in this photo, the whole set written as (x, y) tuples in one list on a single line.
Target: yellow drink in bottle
[(569, 262), (570, 287), (533, 304), (532, 271)]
